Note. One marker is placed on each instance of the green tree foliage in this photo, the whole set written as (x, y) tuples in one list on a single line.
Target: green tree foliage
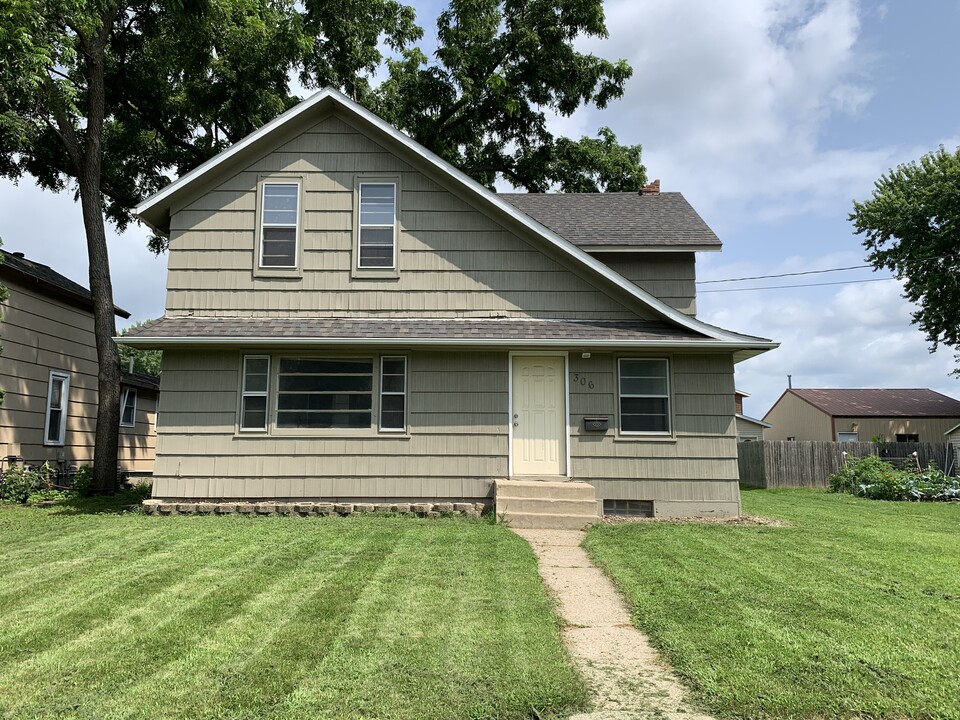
[(481, 102), (911, 226), (144, 361)]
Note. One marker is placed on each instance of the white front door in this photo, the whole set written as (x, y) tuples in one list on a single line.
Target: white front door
[(539, 416)]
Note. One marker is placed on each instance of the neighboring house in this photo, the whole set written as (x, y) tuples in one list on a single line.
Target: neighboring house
[(48, 372), (349, 317), (748, 428), (852, 415)]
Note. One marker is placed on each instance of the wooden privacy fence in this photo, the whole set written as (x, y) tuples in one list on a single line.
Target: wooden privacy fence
[(805, 463)]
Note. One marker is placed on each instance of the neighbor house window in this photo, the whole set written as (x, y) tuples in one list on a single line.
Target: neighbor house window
[(128, 407), (847, 437), (55, 423), (908, 437), (325, 393), (644, 395), (256, 384), (378, 220), (278, 225), (393, 394)]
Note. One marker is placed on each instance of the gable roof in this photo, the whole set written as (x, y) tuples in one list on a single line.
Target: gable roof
[(753, 421), (880, 402), (155, 210), (48, 281), (619, 220)]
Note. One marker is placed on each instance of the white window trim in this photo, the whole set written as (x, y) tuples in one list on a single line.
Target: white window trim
[(261, 270), (64, 406), (392, 226), (645, 433), (382, 392), (244, 393), (856, 436), (124, 396)]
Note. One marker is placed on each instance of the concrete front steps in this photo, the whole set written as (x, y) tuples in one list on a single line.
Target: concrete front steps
[(545, 504)]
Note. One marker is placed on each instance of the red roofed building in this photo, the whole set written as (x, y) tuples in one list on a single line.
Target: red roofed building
[(851, 415)]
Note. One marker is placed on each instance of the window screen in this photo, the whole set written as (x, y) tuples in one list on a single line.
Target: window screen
[(278, 240), (256, 384), (378, 214), (325, 393), (128, 407), (644, 396), (393, 394)]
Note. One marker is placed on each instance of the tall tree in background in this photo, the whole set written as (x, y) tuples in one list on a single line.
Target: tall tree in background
[(106, 96), (481, 102), (144, 361), (911, 226)]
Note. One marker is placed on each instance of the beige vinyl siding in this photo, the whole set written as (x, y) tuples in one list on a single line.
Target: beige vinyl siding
[(458, 437), (40, 334), (930, 430), (670, 277), (793, 417), (747, 429), (453, 259), (455, 448), (694, 471)]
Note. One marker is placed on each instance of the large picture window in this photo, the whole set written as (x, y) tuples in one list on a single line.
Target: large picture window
[(378, 219), (55, 422), (324, 393), (644, 395), (280, 214), (393, 394), (256, 384)]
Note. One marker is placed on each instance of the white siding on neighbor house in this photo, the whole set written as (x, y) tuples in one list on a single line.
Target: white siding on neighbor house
[(453, 260)]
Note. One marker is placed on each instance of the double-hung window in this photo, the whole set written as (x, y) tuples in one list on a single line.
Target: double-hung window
[(325, 393), (279, 220), (55, 422), (253, 403), (378, 224), (128, 407), (644, 395), (393, 394)]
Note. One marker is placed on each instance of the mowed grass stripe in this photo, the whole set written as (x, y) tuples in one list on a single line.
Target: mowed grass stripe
[(852, 610), (220, 617)]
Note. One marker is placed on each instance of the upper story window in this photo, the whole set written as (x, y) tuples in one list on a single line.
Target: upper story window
[(378, 225), (55, 422), (279, 221), (128, 407), (644, 395)]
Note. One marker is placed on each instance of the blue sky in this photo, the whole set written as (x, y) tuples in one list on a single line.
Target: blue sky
[(770, 116)]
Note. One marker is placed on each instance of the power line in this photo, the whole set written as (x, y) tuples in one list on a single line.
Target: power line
[(805, 285), (793, 274)]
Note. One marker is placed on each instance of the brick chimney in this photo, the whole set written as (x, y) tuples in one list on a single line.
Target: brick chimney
[(651, 188)]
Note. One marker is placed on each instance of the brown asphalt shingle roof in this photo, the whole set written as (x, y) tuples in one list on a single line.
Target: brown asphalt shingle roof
[(913, 402), (597, 220), (507, 329)]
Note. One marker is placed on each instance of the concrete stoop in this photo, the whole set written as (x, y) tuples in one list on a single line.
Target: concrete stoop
[(544, 504)]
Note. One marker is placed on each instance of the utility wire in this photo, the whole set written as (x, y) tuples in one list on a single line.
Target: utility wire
[(805, 285), (793, 274)]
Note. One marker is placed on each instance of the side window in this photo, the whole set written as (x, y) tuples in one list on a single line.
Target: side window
[(393, 394), (377, 238), (256, 384), (128, 407), (644, 387), (279, 220), (847, 437), (55, 423)]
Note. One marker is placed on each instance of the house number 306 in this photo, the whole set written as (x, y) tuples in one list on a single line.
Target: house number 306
[(579, 379)]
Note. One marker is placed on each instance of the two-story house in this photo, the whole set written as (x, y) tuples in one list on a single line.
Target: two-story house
[(349, 317)]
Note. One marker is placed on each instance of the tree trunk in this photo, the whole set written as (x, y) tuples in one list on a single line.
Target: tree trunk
[(101, 287)]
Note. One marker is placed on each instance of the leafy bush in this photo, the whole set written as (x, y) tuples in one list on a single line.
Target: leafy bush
[(83, 480), (877, 479), (141, 491), (49, 495), (20, 481)]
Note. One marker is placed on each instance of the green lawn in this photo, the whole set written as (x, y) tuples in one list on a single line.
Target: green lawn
[(125, 615), (852, 611)]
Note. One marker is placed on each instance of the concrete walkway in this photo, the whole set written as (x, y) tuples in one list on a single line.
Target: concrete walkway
[(624, 673)]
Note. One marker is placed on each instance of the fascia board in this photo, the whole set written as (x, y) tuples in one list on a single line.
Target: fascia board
[(431, 342), (447, 169)]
